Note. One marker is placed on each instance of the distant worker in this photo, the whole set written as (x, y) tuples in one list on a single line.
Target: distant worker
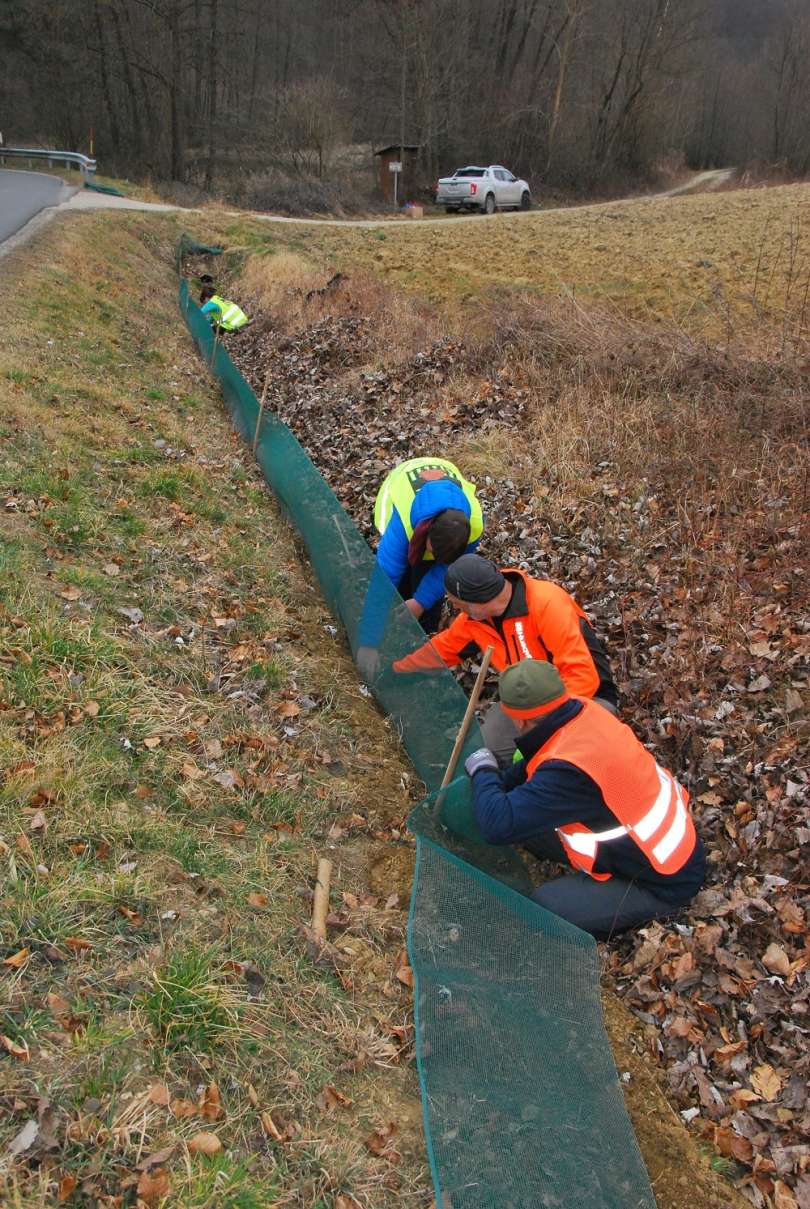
[(427, 515), (520, 618), (221, 313), (586, 792)]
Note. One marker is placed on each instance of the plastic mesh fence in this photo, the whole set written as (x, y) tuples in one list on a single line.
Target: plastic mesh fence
[(521, 1100)]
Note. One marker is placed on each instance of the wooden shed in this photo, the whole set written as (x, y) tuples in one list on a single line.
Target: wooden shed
[(390, 154)]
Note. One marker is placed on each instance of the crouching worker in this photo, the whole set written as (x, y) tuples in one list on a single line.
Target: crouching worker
[(520, 618), (221, 313), (427, 515), (588, 793)]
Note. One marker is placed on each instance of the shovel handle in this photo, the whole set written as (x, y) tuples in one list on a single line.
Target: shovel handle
[(469, 714)]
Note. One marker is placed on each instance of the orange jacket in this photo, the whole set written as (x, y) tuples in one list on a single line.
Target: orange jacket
[(649, 804), (541, 622)]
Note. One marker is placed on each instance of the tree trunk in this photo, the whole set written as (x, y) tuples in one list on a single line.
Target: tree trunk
[(565, 48), (178, 166), (198, 61), (212, 96), (112, 116), (129, 82), (254, 73)]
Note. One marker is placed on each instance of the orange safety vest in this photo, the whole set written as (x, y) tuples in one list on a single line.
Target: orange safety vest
[(550, 628), (650, 805)]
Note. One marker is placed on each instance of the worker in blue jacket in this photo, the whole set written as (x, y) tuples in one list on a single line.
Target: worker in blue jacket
[(427, 515)]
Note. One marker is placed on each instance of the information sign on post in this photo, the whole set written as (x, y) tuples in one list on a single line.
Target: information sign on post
[(395, 166)]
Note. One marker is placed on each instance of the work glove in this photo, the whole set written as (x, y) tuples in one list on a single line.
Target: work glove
[(483, 758), (368, 663)]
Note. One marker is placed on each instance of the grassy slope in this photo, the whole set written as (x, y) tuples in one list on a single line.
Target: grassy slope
[(168, 782), (180, 569)]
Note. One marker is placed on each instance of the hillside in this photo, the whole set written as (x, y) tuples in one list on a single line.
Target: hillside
[(183, 732)]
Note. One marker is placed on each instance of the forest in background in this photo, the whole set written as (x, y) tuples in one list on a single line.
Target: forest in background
[(257, 97)]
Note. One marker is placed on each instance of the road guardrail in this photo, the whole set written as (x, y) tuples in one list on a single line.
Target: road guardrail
[(71, 159)]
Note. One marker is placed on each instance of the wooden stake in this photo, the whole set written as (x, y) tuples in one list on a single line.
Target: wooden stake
[(320, 905), (261, 412), (469, 714), (214, 349)]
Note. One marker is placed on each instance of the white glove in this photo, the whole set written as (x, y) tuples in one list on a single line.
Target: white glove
[(483, 758), (368, 663)]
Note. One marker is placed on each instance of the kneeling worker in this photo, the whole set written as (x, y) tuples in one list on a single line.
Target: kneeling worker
[(221, 313), (427, 515), (588, 792), (520, 618)]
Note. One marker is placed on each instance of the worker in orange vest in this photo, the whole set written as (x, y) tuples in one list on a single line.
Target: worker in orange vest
[(586, 792), (520, 618)]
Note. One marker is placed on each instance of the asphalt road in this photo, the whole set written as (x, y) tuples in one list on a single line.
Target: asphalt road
[(24, 194)]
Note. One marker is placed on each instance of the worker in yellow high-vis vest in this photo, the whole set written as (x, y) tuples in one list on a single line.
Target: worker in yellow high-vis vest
[(221, 313), (427, 515)]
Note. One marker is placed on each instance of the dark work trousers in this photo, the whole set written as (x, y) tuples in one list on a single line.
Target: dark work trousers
[(429, 621), (601, 908)]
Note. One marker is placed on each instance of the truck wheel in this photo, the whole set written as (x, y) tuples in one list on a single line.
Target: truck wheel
[(526, 200), (489, 203)]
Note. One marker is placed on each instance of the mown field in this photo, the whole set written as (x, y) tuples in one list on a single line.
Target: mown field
[(718, 262)]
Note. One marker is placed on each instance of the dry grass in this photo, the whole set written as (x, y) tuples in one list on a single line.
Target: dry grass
[(615, 404), (708, 262), (143, 855), (295, 290), (170, 778), (660, 478)]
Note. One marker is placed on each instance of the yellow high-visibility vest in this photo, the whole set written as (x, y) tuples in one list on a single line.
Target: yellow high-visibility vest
[(231, 317), (401, 485)]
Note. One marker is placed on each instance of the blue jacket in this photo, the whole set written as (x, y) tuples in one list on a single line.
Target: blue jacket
[(511, 810), (392, 558)]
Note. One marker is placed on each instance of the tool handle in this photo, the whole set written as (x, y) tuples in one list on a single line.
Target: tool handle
[(469, 714)]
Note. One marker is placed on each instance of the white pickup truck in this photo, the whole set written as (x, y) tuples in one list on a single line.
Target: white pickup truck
[(485, 189)]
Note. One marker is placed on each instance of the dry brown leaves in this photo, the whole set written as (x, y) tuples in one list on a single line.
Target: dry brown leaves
[(153, 1185), (204, 1143), (704, 606), (380, 1142)]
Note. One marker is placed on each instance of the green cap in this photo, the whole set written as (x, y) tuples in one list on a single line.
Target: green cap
[(528, 687)]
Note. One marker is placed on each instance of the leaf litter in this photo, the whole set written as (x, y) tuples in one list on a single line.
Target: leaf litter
[(722, 700)]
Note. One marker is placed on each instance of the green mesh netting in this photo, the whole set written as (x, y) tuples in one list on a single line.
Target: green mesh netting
[(522, 1105), (108, 189), (521, 1102)]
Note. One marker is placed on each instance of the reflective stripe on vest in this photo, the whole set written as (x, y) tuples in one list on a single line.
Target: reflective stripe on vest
[(401, 485), (649, 804)]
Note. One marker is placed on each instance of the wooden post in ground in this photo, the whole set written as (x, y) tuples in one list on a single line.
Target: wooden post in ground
[(261, 413), (320, 904), (214, 349), (469, 714)]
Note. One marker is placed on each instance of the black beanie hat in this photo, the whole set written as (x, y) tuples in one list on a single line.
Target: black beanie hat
[(473, 579)]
